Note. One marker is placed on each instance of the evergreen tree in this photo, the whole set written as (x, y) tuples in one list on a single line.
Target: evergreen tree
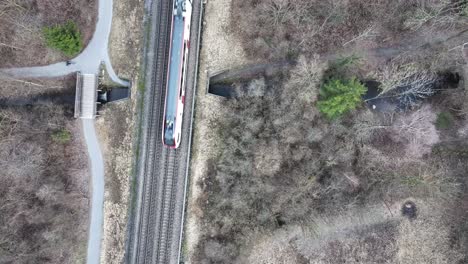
[(337, 97), (66, 38)]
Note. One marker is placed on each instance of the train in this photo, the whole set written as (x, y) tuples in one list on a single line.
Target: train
[(177, 72)]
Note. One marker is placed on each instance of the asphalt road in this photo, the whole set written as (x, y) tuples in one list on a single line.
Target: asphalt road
[(156, 224), (97, 185), (88, 61)]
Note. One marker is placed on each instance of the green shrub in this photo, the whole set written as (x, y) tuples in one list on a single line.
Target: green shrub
[(66, 38), (338, 97), (444, 120), (412, 181), (61, 136), (464, 9), (141, 85)]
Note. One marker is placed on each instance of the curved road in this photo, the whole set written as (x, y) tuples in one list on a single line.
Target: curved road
[(87, 61)]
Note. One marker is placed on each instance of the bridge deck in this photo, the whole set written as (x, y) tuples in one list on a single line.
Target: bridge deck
[(86, 96)]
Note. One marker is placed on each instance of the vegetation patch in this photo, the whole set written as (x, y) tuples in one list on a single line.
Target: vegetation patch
[(43, 187), (141, 85), (444, 120), (65, 38), (61, 136), (338, 97), (24, 22), (278, 160), (412, 181)]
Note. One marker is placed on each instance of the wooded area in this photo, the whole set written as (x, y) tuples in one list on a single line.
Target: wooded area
[(288, 185), (43, 186), (44, 192)]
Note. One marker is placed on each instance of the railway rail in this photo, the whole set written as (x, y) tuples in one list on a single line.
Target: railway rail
[(157, 219)]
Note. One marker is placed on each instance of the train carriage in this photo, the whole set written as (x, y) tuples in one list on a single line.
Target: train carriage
[(177, 71)]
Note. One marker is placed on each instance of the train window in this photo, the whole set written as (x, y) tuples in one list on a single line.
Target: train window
[(169, 125), (183, 70)]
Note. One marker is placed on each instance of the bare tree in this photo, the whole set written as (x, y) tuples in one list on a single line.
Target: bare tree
[(408, 84), (304, 80), (416, 131), (277, 12), (415, 88), (442, 14)]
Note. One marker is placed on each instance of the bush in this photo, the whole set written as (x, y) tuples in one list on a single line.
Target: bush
[(464, 10), (66, 38), (444, 120), (61, 136), (338, 97)]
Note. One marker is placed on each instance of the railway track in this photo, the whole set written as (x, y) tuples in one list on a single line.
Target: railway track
[(155, 228), (166, 218), (150, 165)]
